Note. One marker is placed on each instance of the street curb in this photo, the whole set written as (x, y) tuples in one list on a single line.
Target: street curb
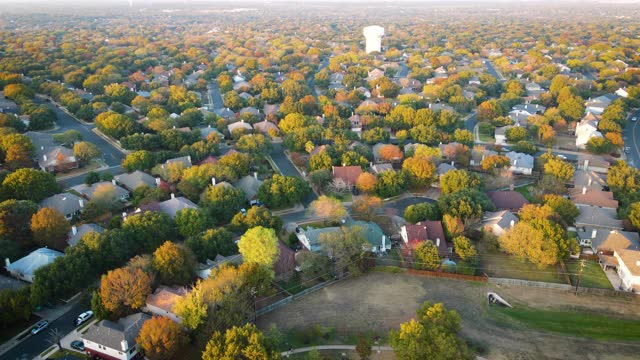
[(110, 141)]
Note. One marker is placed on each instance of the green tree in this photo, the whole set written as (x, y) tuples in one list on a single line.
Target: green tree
[(173, 263), (222, 202), (282, 191), (390, 183), (516, 133), (191, 222), (420, 212), (29, 184), (259, 245), (346, 248), (139, 160), (567, 210), (456, 180), (599, 145), (256, 216), (211, 243), (559, 168), (433, 332), (525, 147), (467, 205), (148, 230), (255, 144), (313, 265), (464, 248)]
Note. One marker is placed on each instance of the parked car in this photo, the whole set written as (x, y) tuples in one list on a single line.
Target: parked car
[(560, 156), (635, 118), (78, 345), (82, 318), (41, 325), (627, 150)]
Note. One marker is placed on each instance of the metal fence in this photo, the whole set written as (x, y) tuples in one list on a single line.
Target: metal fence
[(538, 284)]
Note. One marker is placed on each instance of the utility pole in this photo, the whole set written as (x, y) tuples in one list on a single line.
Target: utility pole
[(582, 265)]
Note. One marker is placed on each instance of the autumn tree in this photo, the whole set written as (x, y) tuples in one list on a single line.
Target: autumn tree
[(282, 191), (259, 245), (50, 228), (559, 168), (541, 242), (29, 184), (564, 207), (433, 332), (634, 214), (494, 162), (456, 180), (390, 153), (366, 182), (622, 178), (426, 255), (211, 243), (15, 221), (256, 216), (85, 151), (124, 290), (173, 263), (390, 183), (422, 172), (239, 343), (423, 211), (346, 247), (367, 207), (191, 221), (160, 338), (464, 248), (328, 208), (222, 202)]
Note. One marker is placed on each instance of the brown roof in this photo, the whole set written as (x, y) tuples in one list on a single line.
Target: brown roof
[(165, 297), (427, 230), (507, 200), (631, 259), (594, 198), (347, 173), (286, 260)]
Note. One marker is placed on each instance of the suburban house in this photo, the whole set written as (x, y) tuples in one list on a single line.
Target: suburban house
[(478, 155), (497, 222), (622, 92), (115, 340), (67, 204), (225, 113), (520, 163), (444, 168), (239, 126), (500, 134), (599, 198), (356, 124), (204, 270), (250, 185), (588, 179), (606, 241), (597, 105), (373, 233), (414, 235), (25, 267), (586, 129), (169, 207), (8, 106), (529, 109), (271, 109), (378, 168), (88, 191), (58, 159), (184, 160), (77, 232), (266, 127), (250, 110), (284, 267), (136, 179), (374, 74), (206, 131), (507, 200), (348, 174), (162, 301), (593, 216), (595, 163), (628, 269), (310, 237)]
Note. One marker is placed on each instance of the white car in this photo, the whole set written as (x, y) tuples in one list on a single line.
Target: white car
[(634, 118), (627, 150), (83, 317), (562, 157)]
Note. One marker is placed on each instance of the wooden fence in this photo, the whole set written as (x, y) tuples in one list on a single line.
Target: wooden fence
[(447, 275)]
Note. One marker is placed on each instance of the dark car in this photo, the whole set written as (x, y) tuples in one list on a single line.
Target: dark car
[(78, 345)]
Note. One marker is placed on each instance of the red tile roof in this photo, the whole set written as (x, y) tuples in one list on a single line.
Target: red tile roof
[(427, 230), (507, 200), (347, 173)]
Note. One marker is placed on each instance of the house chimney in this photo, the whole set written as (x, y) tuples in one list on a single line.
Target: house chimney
[(255, 175), (590, 180), (158, 181), (594, 232), (113, 181), (344, 164), (124, 215), (512, 223), (453, 163), (242, 120), (438, 242), (637, 263), (124, 345), (173, 196), (584, 190), (189, 158), (174, 127), (213, 181), (370, 164), (74, 230), (515, 162), (81, 202), (7, 262), (44, 157)]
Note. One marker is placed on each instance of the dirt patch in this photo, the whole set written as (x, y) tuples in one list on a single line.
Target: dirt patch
[(380, 301)]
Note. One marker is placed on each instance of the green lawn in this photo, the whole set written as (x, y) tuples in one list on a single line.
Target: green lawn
[(496, 264), (487, 138), (63, 353), (589, 325), (592, 276), (524, 190)]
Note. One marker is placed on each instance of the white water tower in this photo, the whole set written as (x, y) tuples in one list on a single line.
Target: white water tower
[(373, 35)]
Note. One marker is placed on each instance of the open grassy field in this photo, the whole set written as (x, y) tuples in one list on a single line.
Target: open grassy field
[(379, 301), (595, 326), (592, 276)]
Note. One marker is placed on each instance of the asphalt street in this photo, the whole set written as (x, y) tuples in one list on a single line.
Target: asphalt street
[(630, 135), (492, 70), (287, 168), (214, 95), (33, 345)]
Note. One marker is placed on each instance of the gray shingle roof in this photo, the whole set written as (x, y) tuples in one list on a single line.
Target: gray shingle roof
[(136, 179), (249, 184), (520, 160), (111, 334), (32, 262), (81, 230), (173, 205), (65, 203)]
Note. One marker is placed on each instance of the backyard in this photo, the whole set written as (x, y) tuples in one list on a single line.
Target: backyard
[(592, 275), (379, 301), (500, 265)]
